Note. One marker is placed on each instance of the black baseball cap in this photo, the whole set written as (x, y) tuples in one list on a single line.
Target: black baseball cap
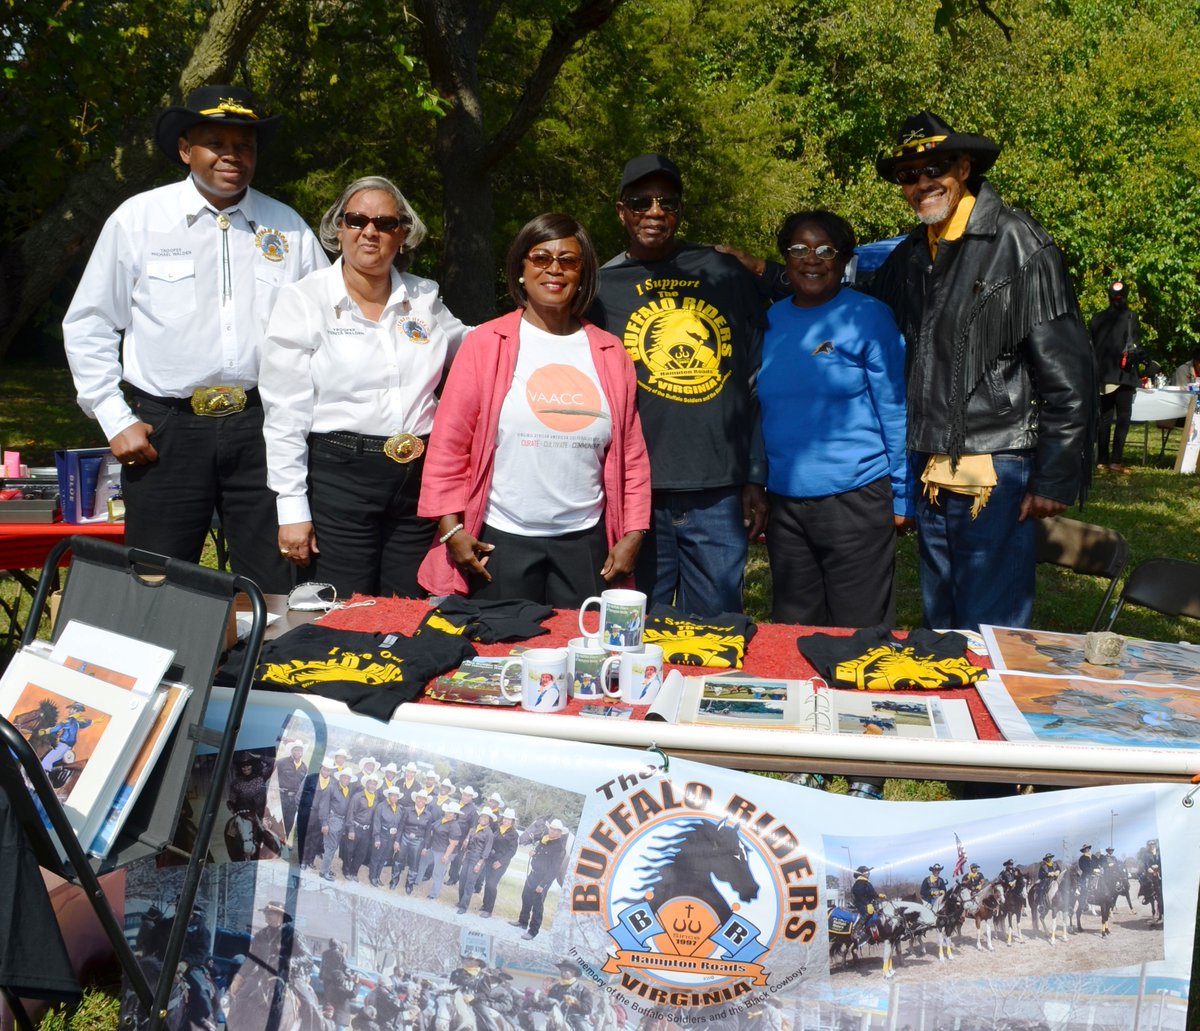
[(650, 164)]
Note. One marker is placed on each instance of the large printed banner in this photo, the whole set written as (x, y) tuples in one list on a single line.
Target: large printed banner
[(612, 889)]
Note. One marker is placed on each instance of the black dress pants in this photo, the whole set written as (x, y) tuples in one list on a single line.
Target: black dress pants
[(364, 512), (557, 571), (206, 464), (833, 559)]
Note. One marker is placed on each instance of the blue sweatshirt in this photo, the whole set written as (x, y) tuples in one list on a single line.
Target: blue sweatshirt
[(831, 389)]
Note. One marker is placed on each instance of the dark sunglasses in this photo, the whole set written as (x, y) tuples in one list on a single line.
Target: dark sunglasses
[(640, 203), (802, 250), (384, 223), (544, 259), (935, 170)]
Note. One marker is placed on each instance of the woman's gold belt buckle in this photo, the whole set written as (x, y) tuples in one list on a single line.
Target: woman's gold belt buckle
[(404, 447), (218, 401)]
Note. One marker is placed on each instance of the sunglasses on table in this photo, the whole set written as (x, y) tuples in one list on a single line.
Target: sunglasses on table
[(936, 168), (384, 223), (544, 259), (802, 250), (641, 203)]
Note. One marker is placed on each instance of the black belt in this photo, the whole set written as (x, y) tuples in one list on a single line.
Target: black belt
[(184, 404), (359, 443)]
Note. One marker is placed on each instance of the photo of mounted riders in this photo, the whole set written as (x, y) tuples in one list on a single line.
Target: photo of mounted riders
[(254, 958), (433, 833), (1069, 888)]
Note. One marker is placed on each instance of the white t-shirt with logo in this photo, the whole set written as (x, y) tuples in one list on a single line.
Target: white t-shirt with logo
[(555, 427)]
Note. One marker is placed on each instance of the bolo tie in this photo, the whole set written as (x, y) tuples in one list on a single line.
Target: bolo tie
[(223, 224)]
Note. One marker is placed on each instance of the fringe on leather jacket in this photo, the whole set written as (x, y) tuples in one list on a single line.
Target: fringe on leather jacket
[(998, 358)]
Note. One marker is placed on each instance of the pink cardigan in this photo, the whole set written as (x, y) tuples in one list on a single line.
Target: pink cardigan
[(462, 448)]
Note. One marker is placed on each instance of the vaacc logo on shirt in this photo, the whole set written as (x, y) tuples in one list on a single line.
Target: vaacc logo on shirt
[(563, 398)]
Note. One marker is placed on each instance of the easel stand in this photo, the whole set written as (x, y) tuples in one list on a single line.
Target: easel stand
[(176, 605)]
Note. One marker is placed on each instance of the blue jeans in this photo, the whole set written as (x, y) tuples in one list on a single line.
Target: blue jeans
[(695, 557), (978, 570)]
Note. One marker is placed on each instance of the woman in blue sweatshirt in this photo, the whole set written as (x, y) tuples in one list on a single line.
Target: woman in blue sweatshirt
[(831, 389)]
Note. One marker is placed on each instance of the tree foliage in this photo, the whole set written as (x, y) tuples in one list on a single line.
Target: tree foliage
[(489, 113)]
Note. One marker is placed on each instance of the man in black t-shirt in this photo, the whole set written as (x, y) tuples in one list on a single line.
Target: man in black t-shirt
[(692, 320)]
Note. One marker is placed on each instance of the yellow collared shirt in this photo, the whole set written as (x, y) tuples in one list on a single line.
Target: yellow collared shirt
[(955, 226)]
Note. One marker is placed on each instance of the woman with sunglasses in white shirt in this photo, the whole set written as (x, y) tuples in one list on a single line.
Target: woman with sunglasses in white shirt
[(351, 362)]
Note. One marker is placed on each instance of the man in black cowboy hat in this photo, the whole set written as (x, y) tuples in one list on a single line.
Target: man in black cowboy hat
[(1000, 378), (934, 887), (174, 302), (863, 896), (572, 995)]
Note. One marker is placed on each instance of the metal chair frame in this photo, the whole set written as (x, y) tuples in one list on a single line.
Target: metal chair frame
[(1083, 548), (1167, 585)]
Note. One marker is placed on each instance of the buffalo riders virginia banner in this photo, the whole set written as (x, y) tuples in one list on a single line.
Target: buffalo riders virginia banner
[(406, 876)]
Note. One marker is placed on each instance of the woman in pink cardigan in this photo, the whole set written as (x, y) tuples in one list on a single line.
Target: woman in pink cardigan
[(537, 470)]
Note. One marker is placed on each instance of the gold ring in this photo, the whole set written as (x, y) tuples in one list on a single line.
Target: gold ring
[(283, 551), (131, 463)]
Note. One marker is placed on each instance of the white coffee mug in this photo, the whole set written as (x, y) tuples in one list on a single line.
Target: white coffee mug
[(589, 666), (639, 676), (543, 679), (622, 616)]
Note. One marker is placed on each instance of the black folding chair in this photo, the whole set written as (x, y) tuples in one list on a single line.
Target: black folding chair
[(180, 606), (1083, 548), (1167, 585)]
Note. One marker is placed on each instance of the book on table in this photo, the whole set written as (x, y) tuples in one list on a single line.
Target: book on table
[(475, 682), (807, 706)]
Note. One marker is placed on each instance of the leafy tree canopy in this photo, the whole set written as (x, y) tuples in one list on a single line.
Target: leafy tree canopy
[(767, 105)]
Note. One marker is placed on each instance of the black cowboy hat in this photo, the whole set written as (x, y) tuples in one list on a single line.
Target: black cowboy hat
[(936, 867), (864, 869), (574, 969), (232, 105), (926, 134)]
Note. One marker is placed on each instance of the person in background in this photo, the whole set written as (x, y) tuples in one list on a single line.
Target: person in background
[(1187, 374), (831, 391), (1115, 339), (351, 362), (545, 866), (537, 469), (174, 302), (692, 320)]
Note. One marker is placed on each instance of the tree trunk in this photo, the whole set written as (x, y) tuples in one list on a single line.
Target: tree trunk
[(452, 33), (33, 265)]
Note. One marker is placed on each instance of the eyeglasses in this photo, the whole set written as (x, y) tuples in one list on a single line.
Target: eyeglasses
[(640, 203), (799, 251), (935, 170), (384, 223), (544, 259)]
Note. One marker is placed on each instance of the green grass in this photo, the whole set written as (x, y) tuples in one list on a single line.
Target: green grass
[(39, 414)]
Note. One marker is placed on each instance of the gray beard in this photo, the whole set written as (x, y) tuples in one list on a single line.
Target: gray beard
[(933, 218)]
